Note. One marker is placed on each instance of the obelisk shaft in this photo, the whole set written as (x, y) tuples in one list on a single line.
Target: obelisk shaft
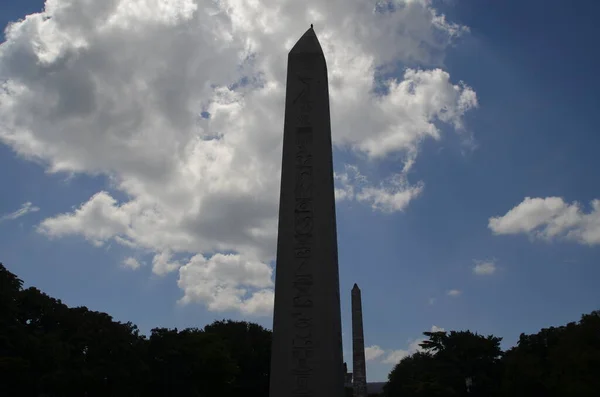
[(359, 371), (306, 356)]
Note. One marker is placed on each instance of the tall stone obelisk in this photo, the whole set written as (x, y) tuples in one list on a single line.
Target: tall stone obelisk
[(359, 371), (306, 358)]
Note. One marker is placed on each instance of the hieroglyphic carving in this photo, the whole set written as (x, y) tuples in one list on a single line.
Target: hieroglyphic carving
[(303, 341)]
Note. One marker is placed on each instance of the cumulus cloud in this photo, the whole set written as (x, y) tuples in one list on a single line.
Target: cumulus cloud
[(131, 263), (551, 218), (163, 263), (219, 282), (180, 104), (25, 209), (391, 195), (395, 356), (454, 292), (373, 352), (416, 108), (98, 220), (485, 268)]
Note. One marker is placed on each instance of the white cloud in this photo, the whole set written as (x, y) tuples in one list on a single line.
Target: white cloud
[(25, 209), (373, 352), (549, 218), (485, 268), (406, 116), (393, 194), (223, 282), (391, 198), (162, 263), (118, 87), (394, 356), (131, 263), (98, 220), (454, 292)]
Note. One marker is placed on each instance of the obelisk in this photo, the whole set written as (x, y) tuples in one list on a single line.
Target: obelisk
[(359, 371), (306, 358)]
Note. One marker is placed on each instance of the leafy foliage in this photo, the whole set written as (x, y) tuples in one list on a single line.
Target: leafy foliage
[(250, 345), (446, 361), (555, 362), (49, 349), (562, 361)]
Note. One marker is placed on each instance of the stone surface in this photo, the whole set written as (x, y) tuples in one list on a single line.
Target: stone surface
[(307, 344), (347, 377), (359, 371)]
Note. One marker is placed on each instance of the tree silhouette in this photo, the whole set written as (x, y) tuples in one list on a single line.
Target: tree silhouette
[(189, 363), (49, 349), (447, 361), (250, 345), (13, 365), (561, 361)]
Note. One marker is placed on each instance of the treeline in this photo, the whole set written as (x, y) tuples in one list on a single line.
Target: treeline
[(49, 349), (556, 362)]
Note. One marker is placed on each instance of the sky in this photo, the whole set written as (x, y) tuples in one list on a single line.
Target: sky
[(141, 147)]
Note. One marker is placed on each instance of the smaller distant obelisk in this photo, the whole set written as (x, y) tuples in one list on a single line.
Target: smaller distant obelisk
[(359, 371)]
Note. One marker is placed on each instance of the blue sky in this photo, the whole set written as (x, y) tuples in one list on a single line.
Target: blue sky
[(531, 67)]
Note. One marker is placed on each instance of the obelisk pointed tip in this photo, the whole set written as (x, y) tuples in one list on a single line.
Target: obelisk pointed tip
[(308, 43), (355, 286)]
